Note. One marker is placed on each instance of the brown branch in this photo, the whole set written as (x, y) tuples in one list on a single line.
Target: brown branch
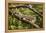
[(29, 19)]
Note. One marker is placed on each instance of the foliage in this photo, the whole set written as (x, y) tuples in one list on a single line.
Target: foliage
[(14, 23)]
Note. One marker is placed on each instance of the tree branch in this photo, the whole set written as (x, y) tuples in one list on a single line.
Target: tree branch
[(28, 19)]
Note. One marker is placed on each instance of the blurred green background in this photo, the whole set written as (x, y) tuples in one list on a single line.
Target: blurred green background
[(14, 23)]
